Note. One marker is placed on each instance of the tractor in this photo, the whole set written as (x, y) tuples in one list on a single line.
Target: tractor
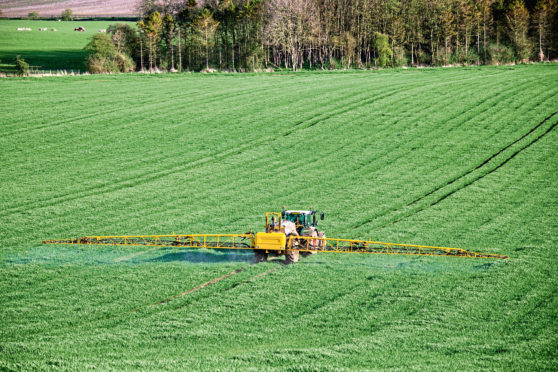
[(293, 223)]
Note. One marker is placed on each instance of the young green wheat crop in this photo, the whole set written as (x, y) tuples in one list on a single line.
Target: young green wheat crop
[(461, 157)]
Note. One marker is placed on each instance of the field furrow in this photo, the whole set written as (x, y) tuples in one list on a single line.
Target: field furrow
[(460, 157)]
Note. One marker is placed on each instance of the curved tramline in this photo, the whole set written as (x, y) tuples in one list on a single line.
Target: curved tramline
[(288, 233), (140, 174)]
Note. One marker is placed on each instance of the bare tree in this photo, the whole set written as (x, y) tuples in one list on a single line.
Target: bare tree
[(292, 24), (147, 7)]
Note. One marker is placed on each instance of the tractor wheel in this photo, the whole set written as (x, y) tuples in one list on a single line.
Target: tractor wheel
[(291, 256), (260, 256)]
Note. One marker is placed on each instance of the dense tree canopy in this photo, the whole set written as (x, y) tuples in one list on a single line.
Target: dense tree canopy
[(67, 15), (33, 15), (243, 35), (105, 57)]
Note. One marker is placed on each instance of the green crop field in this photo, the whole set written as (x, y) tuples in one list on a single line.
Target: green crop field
[(47, 50), (461, 157)]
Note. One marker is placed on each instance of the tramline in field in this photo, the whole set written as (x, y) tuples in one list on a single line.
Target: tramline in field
[(291, 233)]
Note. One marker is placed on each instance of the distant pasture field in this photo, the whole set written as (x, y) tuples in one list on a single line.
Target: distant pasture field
[(47, 50), (460, 157)]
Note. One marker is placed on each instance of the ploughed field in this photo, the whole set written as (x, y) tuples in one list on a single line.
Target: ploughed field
[(462, 157), (21, 8), (47, 50)]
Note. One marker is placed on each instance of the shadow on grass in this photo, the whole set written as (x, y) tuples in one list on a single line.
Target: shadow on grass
[(413, 264), (224, 255), (45, 60)]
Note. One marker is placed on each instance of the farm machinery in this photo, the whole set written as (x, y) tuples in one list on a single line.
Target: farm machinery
[(292, 233)]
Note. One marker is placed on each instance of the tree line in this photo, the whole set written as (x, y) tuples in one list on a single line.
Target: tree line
[(245, 35), (67, 15)]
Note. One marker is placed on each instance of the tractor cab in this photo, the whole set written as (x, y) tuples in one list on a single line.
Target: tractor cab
[(302, 219)]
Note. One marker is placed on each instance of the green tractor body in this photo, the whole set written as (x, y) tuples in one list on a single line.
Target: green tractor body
[(302, 219)]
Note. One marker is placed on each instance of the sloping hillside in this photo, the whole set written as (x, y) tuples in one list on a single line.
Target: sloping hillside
[(106, 8), (462, 157)]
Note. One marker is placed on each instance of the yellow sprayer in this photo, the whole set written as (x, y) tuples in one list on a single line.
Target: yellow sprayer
[(291, 233)]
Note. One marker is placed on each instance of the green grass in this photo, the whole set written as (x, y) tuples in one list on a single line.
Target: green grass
[(458, 157), (46, 50)]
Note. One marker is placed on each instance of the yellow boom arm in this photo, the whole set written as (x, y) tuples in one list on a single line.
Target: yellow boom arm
[(308, 244), (295, 243)]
